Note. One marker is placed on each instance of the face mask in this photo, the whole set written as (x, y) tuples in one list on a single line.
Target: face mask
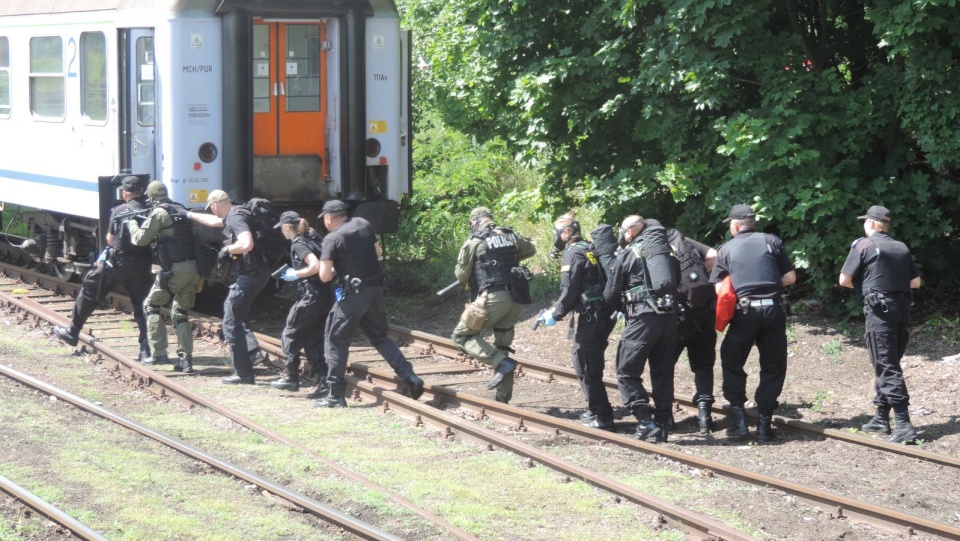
[(558, 243)]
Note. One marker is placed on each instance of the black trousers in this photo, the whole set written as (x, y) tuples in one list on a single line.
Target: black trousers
[(887, 337), (590, 343), (765, 326), (136, 278), (648, 336), (364, 311), (306, 322), (696, 332), (236, 311)]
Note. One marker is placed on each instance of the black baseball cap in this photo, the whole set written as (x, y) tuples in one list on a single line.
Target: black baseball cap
[(740, 212), (877, 214), (132, 183), (288, 217), (333, 206)]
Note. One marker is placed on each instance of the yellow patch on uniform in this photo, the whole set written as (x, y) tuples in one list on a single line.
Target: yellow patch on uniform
[(565, 268)]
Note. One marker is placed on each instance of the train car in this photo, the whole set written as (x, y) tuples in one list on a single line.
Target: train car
[(296, 101)]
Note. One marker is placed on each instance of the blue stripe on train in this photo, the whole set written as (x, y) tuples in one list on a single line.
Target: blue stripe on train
[(50, 181)]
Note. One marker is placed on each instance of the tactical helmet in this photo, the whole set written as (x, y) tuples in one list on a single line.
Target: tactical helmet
[(156, 190), (479, 212)]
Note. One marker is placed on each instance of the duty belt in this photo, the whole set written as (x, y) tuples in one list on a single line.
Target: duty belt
[(494, 289), (636, 294)]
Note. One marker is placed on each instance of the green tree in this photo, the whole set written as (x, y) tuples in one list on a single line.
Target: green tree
[(810, 110)]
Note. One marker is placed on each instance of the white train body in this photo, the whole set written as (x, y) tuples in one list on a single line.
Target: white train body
[(294, 101)]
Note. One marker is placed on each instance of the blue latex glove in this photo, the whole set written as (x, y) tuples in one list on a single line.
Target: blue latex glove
[(339, 293), (547, 320), (289, 275)]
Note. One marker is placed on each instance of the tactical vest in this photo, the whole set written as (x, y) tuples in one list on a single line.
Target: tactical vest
[(124, 248), (753, 265), (492, 266), (181, 245), (889, 272), (296, 261)]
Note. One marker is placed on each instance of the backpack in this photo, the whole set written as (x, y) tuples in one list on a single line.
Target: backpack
[(661, 267), (604, 250), (268, 241), (694, 278), (210, 266)]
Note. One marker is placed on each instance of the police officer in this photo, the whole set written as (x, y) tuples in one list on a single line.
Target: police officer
[(581, 290), (882, 272), (352, 252), (759, 269), (648, 335), (122, 262), (238, 227), (171, 235), (308, 316), (484, 265), (696, 322)]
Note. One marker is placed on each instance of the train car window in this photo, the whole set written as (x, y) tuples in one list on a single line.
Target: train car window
[(93, 76), (261, 68), (4, 77), (303, 68), (146, 102), (47, 98)]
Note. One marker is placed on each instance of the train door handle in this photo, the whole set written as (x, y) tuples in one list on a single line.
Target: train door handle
[(274, 89), (282, 91), (137, 143)]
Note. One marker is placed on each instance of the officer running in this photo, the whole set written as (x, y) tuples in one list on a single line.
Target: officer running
[(484, 265), (238, 227), (581, 290), (170, 234), (696, 322), (122, 262), (308, 316), (351, 251), (648, 335), (759, 269), (882, 272)]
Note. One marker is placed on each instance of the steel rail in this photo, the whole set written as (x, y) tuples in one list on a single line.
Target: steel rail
[(421, 412), (46, 509), (552, 372), (523, 419), (327, 513), (150, 380)]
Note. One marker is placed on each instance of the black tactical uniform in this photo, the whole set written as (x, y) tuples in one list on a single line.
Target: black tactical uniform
[(696, 322), (128, 264), (756, 263), (307, 319), (253, 276), (351, 247), (882, 269), (581, 291), (649, 334)]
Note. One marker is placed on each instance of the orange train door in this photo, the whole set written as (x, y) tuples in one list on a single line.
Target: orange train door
[(289, 66)]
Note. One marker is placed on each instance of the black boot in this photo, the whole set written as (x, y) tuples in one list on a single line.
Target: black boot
[(506, 366), (184, 364), (904, 433), (587, 417), (765, 433), (879, 423), (237, 379), (663, 433), (144, 350), (671, 423), (704, 418), (415, 385), (646, 428), (321, 391), (256, 357), (71, 336), (738, 423), (287, 383), (603, 421), (331, 401)]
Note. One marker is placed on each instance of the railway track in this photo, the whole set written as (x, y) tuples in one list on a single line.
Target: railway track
[(379, 386), (48, 510)]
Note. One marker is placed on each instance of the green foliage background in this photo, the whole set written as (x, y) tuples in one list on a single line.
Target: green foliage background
[(809, 110)]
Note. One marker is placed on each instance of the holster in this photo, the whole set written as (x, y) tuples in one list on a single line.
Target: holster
[(165, 275)]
